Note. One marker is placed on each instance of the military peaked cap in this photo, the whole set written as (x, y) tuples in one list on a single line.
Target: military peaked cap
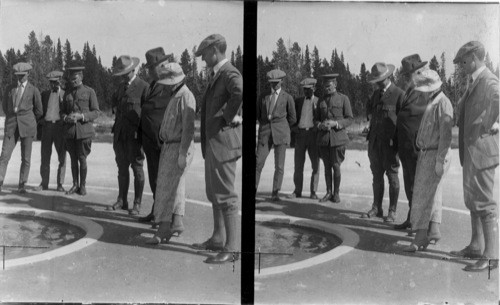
[(275, 75), (22, 68), (327, 77), (466, 49), (207, 42)]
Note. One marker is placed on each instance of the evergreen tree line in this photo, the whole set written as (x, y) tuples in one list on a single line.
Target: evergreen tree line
[(299, 64), (46, 55)]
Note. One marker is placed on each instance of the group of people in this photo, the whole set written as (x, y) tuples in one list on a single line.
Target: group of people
[(412, 128), (155, 121)]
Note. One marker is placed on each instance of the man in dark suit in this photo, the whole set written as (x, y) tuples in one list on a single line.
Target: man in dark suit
[(52, 132), (79, 109), (22, 108), (126, 103), (382, 146), (408, 120), (275, 113), (478, 150), (153, 105), (305, 139), (333, 116), (221, 145)]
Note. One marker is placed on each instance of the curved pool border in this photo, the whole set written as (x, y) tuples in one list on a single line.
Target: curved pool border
[(93, 233), (349, 241)]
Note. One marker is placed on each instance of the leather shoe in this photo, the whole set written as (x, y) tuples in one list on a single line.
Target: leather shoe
[(115, 206), (275, 197), (41, 188), (222, 258), (208, 245), (294, 195), (135, 210), (21, 189), (482, 264), (313, 196), (335, 198), (327, 197), (72, 190), (467, 252), (405, 225), (372, 213), (60, 188), (82, 191), (391, 217), (150, 217)]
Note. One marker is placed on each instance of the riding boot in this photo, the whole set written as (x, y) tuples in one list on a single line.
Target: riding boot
[(138, 188), (75, 187), (83, 178), (336, 185)]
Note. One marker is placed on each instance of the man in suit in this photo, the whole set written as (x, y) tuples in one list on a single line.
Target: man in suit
[(221, 143), (22, 108), (382, 148), (52, 132), (153, 105), (333, 115), (478, 149), (275, 113), (79, 109), (408, 120), (305, 139), (126, 104)]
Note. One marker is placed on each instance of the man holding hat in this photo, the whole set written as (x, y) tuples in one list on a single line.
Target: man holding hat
[(79, 109), (221, 144), (22, 108), (382, 147), (275, 113), (153, 104), (305, 139), (52, 132), (333, 116), (408, 120), (126, 103), (478, 149)]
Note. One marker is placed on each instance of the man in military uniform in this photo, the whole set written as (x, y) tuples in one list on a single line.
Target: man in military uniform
[(52, 132), (305, 139), (22, 108), (126, 103), (333, 115), (275, 113), (153, 105), (382, 146), (79, 109)]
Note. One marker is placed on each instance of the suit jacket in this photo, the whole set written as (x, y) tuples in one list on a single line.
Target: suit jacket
[(81, 99), (128, 109), (299, 103), (383, 111), (221, 102), (153, 105), (335, 107), (409, 116), (282, 117), (478, 112), (28, 112)]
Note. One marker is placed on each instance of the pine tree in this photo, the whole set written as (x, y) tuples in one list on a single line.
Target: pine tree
[(316, 63), (306, 70), (280, 56), (68, 54), (238, 59), (34, 57), (58, 61), (434, 64)]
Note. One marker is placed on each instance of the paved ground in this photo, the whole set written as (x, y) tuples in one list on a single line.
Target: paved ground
[(119, 267), (376, 271)]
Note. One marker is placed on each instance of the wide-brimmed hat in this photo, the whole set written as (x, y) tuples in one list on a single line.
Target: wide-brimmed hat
[(466, 49), (308, 83), (170, 73), (427, 81), (54, 75), (380, 71), (207, 42), (157, 56), (411, 63), (125, 64), (22, 68), (275, 75)]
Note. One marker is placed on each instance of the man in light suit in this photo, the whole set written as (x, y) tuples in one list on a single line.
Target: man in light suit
[(275, 113), (126, 103), (221, 145), (22, 108), (305, 139), (52, 132), (478, 149)]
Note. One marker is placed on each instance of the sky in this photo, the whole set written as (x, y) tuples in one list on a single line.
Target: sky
[(121, 27), (373, 32)]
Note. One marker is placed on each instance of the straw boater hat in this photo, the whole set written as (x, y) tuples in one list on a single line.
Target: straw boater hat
[(411, 63), (125, 64), (21, 68), (308, 83), (380, 71), (170, 73), (427, 81), (275, 75), (466, 49)]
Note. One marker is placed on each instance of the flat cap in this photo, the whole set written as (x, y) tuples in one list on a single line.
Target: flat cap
[(22, 68), (308, 82), (275, 75), (54, 75), (466, 49), (207, 42), (326, 77)]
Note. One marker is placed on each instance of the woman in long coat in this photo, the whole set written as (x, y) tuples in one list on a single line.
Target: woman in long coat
[(433, 143), (177, 136)]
